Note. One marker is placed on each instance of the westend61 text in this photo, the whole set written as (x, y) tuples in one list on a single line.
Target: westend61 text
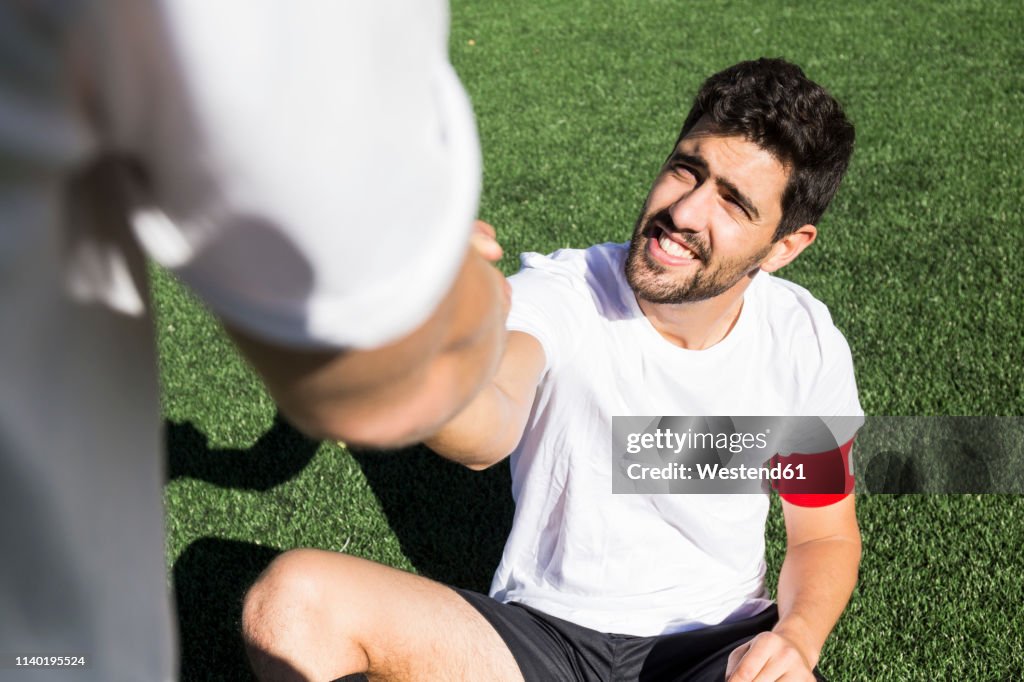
[(712, 472)]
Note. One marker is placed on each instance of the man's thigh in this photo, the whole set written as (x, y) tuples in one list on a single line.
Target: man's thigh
[(395, 625)]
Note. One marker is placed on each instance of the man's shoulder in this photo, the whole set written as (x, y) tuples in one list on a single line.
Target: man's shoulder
[(600, 260), (562, 297), (809, 350), (593, 274), (799, 319)]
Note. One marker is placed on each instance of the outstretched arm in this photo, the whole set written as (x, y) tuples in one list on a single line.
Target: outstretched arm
[(490, 427), (817, 578)]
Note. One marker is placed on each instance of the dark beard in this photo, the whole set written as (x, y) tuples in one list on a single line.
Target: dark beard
[(645, 275)]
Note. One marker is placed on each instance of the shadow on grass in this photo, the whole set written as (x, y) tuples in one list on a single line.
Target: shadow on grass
[(279, 455), (212, 575), (210, 579), (451, 522)]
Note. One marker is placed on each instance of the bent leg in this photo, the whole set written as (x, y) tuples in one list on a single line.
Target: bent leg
[(317, 615)]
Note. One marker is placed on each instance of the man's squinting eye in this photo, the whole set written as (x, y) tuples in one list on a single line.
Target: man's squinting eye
[(684, 171), (737, 206)]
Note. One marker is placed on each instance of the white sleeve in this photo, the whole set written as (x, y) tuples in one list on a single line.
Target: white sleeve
[(833, 386), (549, 303), (313, 166)]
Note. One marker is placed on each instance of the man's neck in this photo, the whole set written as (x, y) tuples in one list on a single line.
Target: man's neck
[(700, 325)]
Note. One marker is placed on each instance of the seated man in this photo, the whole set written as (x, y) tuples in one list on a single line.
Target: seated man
[(684, 320)]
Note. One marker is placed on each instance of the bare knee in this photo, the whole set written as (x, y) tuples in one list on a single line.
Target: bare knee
[(284, 618), (279, 597)]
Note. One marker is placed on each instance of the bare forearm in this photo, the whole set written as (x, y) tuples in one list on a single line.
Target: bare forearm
[(815, 584), (479, 436), (492, 424)]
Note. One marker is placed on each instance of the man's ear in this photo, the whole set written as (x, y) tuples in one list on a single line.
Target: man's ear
[(786, 250)]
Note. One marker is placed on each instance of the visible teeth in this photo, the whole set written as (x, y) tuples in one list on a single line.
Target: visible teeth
[(674, 248)]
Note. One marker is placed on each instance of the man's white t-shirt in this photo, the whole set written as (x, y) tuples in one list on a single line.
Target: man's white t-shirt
[(310, 169), (649, 564)]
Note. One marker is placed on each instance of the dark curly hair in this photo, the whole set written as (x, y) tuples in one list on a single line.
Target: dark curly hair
[(774, 105)]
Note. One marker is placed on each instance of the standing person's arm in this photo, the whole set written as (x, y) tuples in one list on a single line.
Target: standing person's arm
[(817, 578), (313, 180)]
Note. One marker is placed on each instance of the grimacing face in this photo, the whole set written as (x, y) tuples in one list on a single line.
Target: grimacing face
[(709, 219)]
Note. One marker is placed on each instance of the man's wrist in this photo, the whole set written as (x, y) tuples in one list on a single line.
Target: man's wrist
[(795, 631)]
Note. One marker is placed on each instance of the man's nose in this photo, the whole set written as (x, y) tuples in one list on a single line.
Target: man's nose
[(691, 212)]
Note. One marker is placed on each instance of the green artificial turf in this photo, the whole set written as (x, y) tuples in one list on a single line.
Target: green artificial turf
[(577, 105)]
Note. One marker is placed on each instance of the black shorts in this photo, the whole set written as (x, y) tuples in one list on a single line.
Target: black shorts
[(550, 649)]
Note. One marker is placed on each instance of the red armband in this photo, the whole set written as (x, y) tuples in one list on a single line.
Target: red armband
[(817, 479)]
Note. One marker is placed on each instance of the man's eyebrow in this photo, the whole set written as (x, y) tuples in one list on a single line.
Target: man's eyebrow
[(732, 189)]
